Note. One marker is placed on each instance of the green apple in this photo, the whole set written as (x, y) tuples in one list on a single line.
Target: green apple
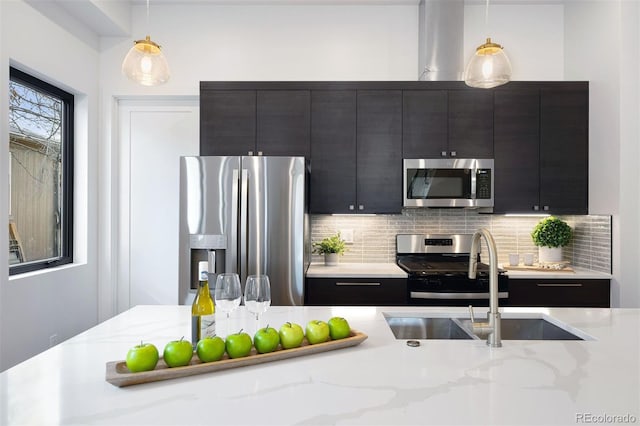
[(291, 335), (266, 340), (142, 357), (211, 348), (317, 331), (339, 328), (238, 345), (178, 353)]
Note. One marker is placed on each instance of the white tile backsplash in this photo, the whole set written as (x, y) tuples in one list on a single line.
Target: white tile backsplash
[(374, 236)]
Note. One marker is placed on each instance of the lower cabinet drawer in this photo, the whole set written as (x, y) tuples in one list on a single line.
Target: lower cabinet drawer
[(355, 291), (592, 293)]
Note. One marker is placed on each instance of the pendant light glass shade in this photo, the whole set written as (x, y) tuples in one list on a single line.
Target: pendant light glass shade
[(145, 63), (489, 67)]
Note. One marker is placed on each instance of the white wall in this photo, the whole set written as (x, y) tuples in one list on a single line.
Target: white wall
[(607, 55), (62, 301)]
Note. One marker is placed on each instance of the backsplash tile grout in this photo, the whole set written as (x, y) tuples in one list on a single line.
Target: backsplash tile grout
[(374, 236)]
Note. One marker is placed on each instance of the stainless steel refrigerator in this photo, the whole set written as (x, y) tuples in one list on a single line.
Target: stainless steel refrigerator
[(244, 215)]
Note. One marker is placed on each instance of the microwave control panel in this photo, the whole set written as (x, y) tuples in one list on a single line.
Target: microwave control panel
[(483, 184)]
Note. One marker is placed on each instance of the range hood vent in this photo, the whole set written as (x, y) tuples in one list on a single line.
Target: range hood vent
[(441, 32)]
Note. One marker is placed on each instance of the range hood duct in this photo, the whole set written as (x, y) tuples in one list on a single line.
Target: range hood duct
[(441, 32)]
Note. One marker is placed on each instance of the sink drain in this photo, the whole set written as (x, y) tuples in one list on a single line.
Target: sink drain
[(413, 343)]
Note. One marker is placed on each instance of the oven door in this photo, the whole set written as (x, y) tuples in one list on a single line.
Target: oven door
[(448, 183), (444, 291)]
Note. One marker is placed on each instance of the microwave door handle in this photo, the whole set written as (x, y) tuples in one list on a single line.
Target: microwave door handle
[(473, 184)]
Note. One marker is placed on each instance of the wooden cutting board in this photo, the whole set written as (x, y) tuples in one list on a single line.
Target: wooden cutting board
[(119, 375), (537, 268)]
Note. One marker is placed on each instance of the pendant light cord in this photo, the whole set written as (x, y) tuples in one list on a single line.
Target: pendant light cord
[(486, 18), (148, 32)]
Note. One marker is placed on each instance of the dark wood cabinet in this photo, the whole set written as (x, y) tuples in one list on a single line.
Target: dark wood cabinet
[(564, 150), (356, 151), (333, 152), (541, 149), (379, 151), (356, 291), (447, 124), (566, 292), (283, 122), (245, 122), (471, 123), (227, 122), (355, 135), (516, 145), (424, 123)]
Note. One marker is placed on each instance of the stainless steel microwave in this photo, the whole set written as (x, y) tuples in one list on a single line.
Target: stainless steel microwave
[(448, 182)]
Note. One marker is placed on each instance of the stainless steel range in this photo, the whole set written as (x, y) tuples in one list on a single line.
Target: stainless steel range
[(438, 266)]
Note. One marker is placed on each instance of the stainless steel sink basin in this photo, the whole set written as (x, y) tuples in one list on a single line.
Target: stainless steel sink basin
[(534, 329), (426, 328), (538, 328)]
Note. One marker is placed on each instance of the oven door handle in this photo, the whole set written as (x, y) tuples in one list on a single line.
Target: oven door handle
[(438, 295)]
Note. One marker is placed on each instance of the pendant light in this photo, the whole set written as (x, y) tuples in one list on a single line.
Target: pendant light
[(145, 63), (489, 66)]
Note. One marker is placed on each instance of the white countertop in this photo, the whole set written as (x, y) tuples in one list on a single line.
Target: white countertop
[(356, 270), (578, 273), (381, 381)]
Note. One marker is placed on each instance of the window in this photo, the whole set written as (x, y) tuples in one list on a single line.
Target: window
[(40, 174)]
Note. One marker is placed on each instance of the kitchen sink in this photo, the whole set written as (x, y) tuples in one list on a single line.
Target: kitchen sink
[(426, 328), (530, 328), (533, 329)]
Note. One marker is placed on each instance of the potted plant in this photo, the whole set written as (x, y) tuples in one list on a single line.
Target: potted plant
[(550, 235), (331, 247)]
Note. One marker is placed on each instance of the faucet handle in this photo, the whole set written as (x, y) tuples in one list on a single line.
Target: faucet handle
[(471, 314)]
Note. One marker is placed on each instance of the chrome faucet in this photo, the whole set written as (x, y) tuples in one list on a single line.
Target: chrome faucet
[(494, 339)]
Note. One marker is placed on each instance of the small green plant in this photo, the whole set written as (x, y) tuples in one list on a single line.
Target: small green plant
[(551, 232), (332, 244)]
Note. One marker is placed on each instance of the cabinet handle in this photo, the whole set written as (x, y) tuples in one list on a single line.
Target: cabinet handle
[(360, 207), (454, 153), (351, 207), (536, 208), (545, 208), (443, 153), (559, 285), (357, 284)]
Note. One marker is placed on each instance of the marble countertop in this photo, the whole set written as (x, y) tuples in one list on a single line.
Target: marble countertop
[(578, 273), (356, 270), (391, 270), (380, 381)]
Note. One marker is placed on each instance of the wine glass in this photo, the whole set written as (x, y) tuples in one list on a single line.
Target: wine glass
[(257, 295), (227, 293)]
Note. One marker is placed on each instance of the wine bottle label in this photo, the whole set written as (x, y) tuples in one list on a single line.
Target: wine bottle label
[(207, 326)]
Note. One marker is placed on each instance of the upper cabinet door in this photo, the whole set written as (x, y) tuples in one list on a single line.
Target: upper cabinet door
[(379, 151), (227, 122), (424, 123), (283, 122), (333, 152), (516, 143), (564, 150), (471, 123)]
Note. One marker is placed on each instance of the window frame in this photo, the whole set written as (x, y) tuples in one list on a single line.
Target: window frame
[(66, 223)]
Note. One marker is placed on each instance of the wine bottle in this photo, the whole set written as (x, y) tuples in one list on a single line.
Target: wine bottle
[(203, 322)]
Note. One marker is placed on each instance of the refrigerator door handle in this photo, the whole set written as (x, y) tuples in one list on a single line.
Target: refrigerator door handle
[(233, 235), (244, 206)]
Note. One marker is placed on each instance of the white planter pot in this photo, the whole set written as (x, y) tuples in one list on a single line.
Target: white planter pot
[(331, 259), (550, 254)]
